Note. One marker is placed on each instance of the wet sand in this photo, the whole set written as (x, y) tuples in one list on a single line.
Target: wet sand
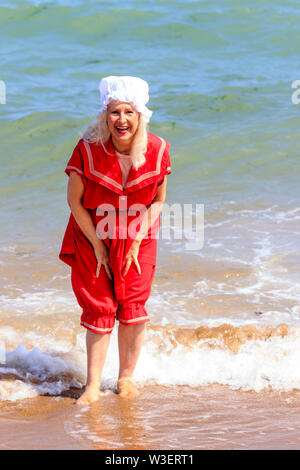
[(37, 424), (174, 417)]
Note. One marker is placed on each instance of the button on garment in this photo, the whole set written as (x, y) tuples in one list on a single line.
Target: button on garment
[(108, 185)]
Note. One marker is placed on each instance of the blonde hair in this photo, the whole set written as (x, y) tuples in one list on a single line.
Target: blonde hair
[(99, 133)]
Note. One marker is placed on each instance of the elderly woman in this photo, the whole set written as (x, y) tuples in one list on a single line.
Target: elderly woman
[(117, 187)]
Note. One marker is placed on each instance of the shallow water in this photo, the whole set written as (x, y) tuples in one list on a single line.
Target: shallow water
[(205, 418)]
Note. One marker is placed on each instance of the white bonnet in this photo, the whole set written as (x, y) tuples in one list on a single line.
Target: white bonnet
[(128, 89)]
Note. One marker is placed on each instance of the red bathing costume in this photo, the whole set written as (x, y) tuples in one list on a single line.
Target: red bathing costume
[(123, 298)]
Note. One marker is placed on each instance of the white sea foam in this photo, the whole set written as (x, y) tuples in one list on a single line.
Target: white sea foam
[(271, 363), (258, 364), (16, 390), (43, 302)]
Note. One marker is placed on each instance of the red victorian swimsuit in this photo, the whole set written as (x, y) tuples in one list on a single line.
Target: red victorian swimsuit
[(116, 212)]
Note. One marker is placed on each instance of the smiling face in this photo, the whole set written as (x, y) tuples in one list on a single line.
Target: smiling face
[(122, 121)]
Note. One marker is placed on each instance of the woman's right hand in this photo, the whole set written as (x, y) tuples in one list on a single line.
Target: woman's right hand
[(102, 257)]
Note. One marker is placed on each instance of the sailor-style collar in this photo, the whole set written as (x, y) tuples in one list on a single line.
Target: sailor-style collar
[(102, 166)]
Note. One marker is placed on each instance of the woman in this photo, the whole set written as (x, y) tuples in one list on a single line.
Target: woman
[(117, 187)]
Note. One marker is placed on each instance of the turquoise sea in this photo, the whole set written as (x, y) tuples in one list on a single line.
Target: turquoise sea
[(220, 76)]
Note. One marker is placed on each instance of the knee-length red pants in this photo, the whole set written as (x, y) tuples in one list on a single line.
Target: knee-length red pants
[(104, 300)]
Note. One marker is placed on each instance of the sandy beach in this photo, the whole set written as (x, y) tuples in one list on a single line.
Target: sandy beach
[(39, 386), (211, 418)]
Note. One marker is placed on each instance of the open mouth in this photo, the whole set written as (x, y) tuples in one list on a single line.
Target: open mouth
[(122, 130)]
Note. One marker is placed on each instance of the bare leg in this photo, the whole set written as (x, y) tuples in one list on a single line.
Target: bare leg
[(130, 339), (96, 348)]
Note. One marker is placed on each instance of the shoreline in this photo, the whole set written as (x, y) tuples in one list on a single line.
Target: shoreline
[(171, 418)]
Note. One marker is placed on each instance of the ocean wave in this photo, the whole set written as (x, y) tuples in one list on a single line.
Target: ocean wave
[(248, 357)]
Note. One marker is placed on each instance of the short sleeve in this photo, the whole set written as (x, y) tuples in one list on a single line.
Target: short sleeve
[(165, 168), (76, 163), (166, 162)]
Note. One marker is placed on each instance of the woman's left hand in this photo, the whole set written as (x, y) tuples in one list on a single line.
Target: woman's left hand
[(132, 257)]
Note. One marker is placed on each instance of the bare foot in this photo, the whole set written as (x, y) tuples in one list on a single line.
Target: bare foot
[(90, 395), (126, 388)]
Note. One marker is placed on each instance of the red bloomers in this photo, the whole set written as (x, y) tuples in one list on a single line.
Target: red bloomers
[(104, 300)]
